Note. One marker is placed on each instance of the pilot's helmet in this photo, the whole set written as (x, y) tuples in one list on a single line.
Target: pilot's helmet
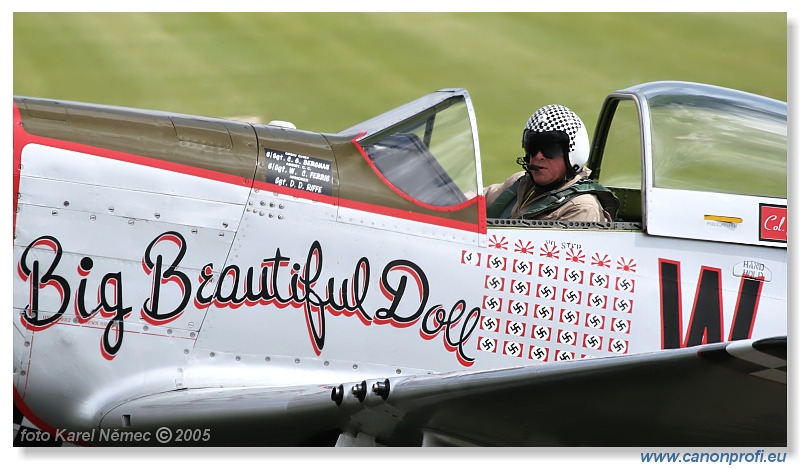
[(555, 123)]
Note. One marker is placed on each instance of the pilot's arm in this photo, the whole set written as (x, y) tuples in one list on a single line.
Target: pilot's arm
[(584, 207), (493, 191)]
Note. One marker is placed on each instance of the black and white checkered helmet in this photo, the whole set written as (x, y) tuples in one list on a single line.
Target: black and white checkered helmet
[(554, 117)]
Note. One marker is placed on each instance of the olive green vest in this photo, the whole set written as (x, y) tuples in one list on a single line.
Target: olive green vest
[(504, 203)]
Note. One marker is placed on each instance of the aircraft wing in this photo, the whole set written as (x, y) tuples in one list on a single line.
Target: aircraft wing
[(729, 394)]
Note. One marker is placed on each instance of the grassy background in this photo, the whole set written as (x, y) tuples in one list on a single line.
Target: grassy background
[(328, 71)]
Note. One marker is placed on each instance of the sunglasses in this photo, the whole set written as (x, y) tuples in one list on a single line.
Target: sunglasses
[(552, 145)]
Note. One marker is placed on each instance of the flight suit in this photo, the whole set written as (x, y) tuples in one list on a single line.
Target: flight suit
[(576, 206)]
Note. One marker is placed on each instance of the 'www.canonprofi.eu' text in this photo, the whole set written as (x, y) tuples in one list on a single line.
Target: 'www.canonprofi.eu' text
[(759, 456)]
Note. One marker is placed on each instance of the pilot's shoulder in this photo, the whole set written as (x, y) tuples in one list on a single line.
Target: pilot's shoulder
[(583, 207), (493, 190), (588, 200)]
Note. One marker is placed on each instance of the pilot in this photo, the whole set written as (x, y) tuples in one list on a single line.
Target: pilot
[(555, 184)]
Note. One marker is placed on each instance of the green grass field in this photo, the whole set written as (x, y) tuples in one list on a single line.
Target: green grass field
[(327, 71)]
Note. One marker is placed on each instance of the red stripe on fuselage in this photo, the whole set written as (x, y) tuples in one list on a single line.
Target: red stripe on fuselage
[(23, 138)]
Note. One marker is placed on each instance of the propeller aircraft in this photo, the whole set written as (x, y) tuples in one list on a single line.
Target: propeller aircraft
[(193, 281)]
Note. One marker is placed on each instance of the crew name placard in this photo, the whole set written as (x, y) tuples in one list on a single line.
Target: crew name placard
[(299, 172)]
